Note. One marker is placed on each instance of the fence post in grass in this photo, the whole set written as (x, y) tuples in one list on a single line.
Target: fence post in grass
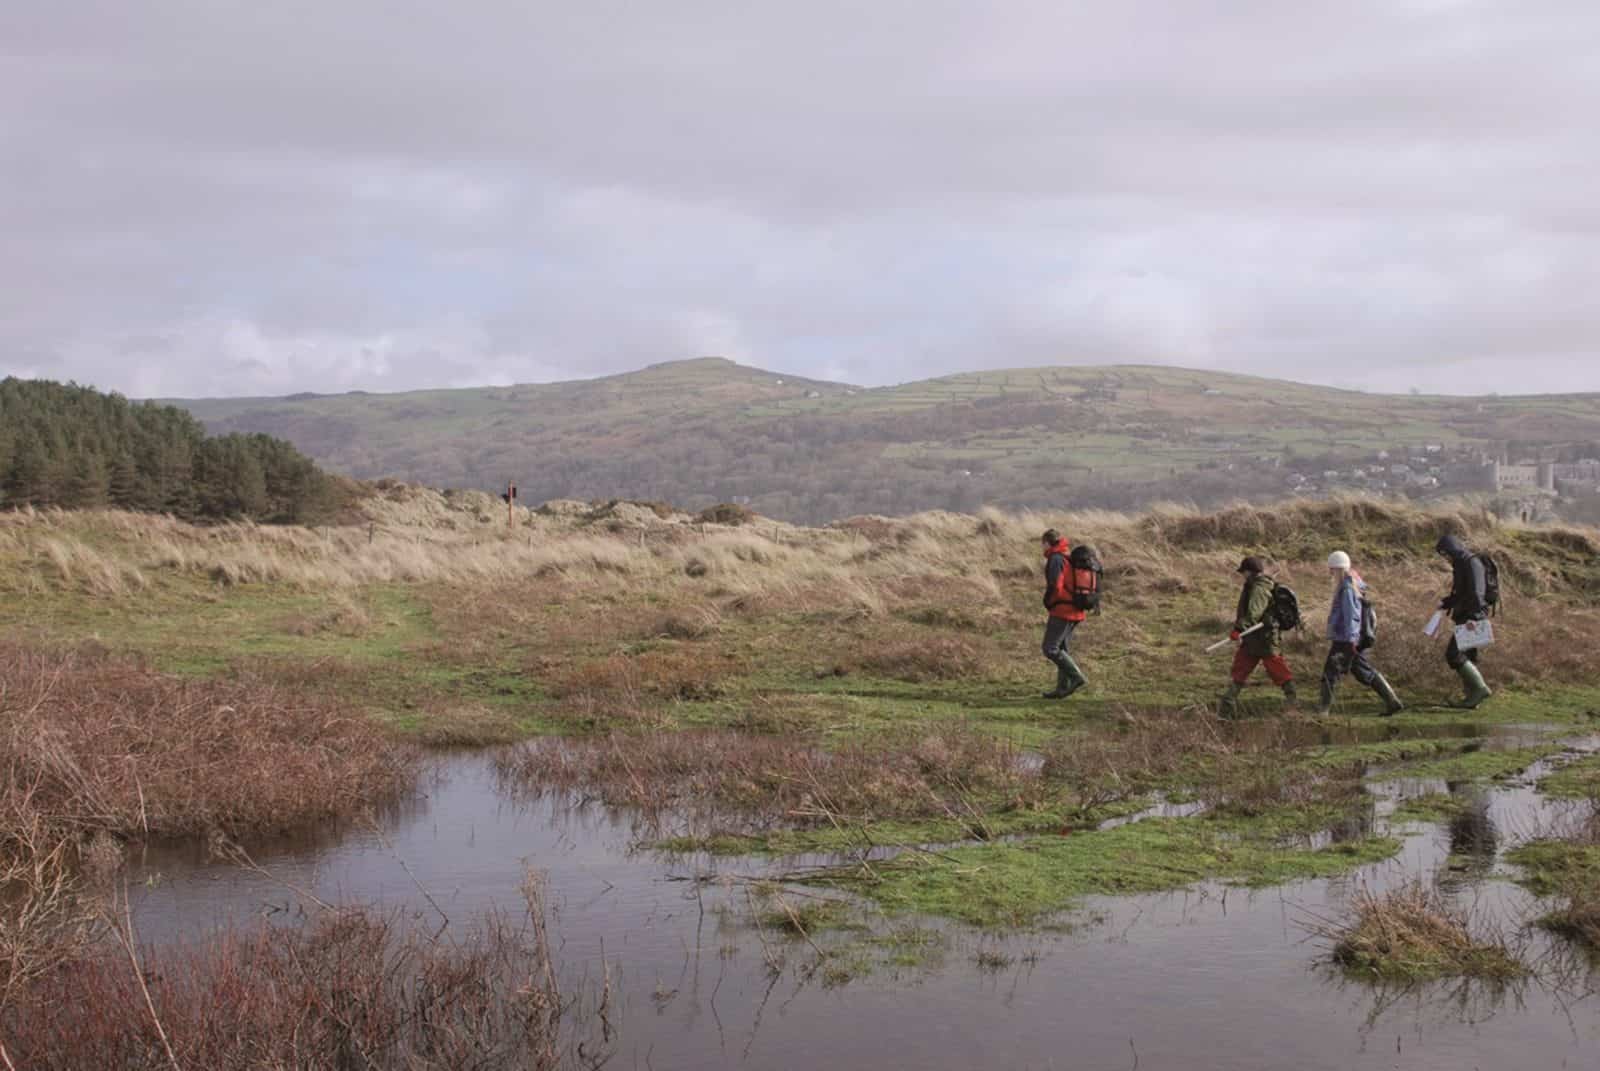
[(511, 504)]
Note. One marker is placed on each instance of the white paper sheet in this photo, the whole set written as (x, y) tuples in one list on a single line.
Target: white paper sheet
[(1474, 634), (1432, 627)]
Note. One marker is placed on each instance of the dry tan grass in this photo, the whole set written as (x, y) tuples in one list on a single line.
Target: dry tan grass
[(947, 571), (1413, 933)]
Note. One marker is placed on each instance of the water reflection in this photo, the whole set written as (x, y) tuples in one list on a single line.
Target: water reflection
[(1208, 977)]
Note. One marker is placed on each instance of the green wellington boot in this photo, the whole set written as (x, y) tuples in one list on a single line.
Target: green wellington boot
[(1477, 690), (1391, 701), (1068, 678), (1228, 705)]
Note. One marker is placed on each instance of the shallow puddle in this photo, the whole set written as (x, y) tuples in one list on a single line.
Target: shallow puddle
[(1206, 978)]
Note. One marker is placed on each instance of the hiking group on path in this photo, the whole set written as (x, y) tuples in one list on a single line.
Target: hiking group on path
[(1268, 608)]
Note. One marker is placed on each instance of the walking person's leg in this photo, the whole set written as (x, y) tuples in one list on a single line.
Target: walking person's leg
[(1465, 663), (1057, 644), (1279, 673), (1363, 670), (1244, 664), (1340, 655)]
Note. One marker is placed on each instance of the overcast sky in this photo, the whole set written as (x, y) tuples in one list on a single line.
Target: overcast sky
[(224, 197)]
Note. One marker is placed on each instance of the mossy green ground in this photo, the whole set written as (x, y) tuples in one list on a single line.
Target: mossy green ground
[(990, 824), (1022, 883), (1482, 764), (1579, 779), (1434, 807), (1549, 865)]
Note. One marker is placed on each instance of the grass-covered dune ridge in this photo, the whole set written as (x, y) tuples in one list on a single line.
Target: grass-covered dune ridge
[(600, 613)]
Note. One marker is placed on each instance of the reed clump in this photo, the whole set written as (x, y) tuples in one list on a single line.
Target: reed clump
[(1413, 934)]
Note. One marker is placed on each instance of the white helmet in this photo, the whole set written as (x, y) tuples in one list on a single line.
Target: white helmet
[(1338, 560)]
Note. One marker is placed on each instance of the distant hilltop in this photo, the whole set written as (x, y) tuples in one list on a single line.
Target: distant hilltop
[(709, 430)]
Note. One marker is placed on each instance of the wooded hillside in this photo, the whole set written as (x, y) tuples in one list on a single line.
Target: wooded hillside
[(75, 447)]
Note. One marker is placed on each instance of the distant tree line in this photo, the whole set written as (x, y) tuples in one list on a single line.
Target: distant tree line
[(79, 448)]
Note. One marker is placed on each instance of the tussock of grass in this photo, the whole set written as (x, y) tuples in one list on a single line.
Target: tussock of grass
[(1412, 934), (1569, 871), (1434, 807), (1579, 917)]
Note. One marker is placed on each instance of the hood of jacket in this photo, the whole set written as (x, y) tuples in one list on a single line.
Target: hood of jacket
[(1453, 547), (1060, 547)]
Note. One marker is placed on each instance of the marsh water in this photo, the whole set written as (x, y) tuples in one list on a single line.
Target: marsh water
[(1210, 977)]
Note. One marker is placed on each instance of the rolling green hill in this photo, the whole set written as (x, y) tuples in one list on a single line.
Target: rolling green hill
[(700, 431)]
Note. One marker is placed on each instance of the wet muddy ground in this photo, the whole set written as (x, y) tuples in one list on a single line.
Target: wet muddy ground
[(1211, 977)]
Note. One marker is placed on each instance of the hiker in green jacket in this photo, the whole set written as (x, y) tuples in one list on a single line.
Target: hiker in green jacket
[(1263, 647)]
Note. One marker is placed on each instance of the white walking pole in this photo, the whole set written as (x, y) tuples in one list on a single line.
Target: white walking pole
[(1220, 644)]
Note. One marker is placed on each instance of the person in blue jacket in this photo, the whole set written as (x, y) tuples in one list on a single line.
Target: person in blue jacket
[(1347, 651)]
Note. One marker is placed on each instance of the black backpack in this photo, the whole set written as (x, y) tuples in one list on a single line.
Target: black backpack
[(1285, 608), (1491, 583), (1086, 574), (1369, 626)]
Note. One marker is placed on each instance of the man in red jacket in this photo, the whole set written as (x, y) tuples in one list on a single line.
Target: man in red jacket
[(1064, 615)]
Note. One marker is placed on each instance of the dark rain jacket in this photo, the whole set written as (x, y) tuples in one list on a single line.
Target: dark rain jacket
[(1469, 584), (1255, 605)]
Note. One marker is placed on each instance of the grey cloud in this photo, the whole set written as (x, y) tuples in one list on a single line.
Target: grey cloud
[(218, 198)]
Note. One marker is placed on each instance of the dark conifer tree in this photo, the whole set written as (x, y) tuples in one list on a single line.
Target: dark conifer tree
[(71, 446)]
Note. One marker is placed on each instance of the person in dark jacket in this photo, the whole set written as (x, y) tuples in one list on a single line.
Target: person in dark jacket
[(1064, 615), (1263, 647), (1345, 653), (1467, 601)]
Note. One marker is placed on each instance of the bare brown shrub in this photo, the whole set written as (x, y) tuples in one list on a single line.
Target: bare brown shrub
[(745, 781), (726, 513), (108, 744), (43, 922), (95, 747), (350, 990)]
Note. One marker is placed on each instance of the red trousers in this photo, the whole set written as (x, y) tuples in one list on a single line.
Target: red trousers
[(1245, 664)]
